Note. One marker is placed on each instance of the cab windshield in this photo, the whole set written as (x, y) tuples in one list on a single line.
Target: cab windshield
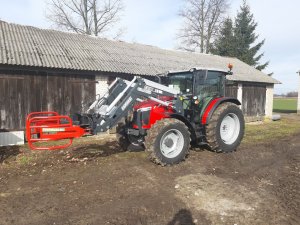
[(182, 82), (201, 83)]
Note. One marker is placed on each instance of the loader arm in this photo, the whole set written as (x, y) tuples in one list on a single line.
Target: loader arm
[(109, 113), (103, 114)]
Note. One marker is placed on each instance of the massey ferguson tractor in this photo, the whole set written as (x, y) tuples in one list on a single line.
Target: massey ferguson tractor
[(166, 120)]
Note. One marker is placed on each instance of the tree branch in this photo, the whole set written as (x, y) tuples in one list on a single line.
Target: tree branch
[(85, 16)]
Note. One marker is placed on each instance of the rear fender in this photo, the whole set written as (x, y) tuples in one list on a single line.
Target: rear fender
[(211, 107)]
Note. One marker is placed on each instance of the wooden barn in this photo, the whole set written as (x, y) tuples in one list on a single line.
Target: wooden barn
[(50, 70)]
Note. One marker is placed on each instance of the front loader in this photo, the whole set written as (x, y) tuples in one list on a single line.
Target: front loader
[(166, 120)]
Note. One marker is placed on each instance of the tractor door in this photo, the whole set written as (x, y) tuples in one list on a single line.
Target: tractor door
[(208, 85), (183, 82)]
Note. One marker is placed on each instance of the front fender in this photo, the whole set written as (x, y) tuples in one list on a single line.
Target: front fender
[(186, 122)]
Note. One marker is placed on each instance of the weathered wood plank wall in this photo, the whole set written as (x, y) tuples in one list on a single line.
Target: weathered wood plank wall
[(25, 92), (254, 100), (231, 90), (22, 93)]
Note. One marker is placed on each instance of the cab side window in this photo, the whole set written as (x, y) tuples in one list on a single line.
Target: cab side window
[(209, 83)]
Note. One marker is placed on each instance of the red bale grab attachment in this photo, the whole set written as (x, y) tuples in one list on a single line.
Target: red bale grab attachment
[(43, 127)]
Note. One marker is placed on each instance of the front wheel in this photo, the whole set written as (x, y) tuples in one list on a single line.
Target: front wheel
[(225, 130), (168, 141)]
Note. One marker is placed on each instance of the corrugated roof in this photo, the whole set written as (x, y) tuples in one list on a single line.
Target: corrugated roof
[(31, 46)]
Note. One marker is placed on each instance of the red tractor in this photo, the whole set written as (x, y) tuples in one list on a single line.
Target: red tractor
[(166, 120)]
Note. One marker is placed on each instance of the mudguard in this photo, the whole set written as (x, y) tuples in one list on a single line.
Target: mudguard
[(186, 122), (211, 107)]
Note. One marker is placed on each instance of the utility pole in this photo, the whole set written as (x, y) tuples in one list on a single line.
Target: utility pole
[(298, 104)]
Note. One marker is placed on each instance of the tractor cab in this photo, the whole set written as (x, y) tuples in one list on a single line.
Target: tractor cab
[(197, 88)]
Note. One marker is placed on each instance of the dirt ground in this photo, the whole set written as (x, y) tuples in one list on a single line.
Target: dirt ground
[(96, 183)]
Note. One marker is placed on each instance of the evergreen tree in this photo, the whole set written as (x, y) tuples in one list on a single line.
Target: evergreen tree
[(224, 45), (245, 37)]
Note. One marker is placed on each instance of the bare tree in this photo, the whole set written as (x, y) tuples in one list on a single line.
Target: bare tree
[(92, 17), (202, 19)]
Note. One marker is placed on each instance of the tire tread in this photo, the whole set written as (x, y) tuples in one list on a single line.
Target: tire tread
[(211, 136), (151, 138)]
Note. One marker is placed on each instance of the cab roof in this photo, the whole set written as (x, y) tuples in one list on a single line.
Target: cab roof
[(195, 68)]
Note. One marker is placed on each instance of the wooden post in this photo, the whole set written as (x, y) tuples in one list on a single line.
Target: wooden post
[(240, 94), (298, 104), (269, 101)]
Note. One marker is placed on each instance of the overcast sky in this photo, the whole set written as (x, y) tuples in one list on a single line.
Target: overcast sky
[(155, 22)]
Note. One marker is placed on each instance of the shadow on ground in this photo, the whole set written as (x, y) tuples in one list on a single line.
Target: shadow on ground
[(92, 151), (183, 216), (8, 152)]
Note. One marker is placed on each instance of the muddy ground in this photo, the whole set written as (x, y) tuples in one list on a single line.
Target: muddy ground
[(95, 183)]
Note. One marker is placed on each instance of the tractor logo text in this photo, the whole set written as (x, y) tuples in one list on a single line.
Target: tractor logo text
[(126, 103)]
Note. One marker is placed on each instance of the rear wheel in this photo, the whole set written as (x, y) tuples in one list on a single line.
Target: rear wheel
[(128, 142), (168, 141), (225, 129)]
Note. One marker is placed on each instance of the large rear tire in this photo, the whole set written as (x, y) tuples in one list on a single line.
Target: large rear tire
[(168, 142), (225, 130), (128, 142)]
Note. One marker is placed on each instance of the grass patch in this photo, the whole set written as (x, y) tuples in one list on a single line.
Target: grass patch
[(270, 131), (83, 141), (24, 159), (285, 105)]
